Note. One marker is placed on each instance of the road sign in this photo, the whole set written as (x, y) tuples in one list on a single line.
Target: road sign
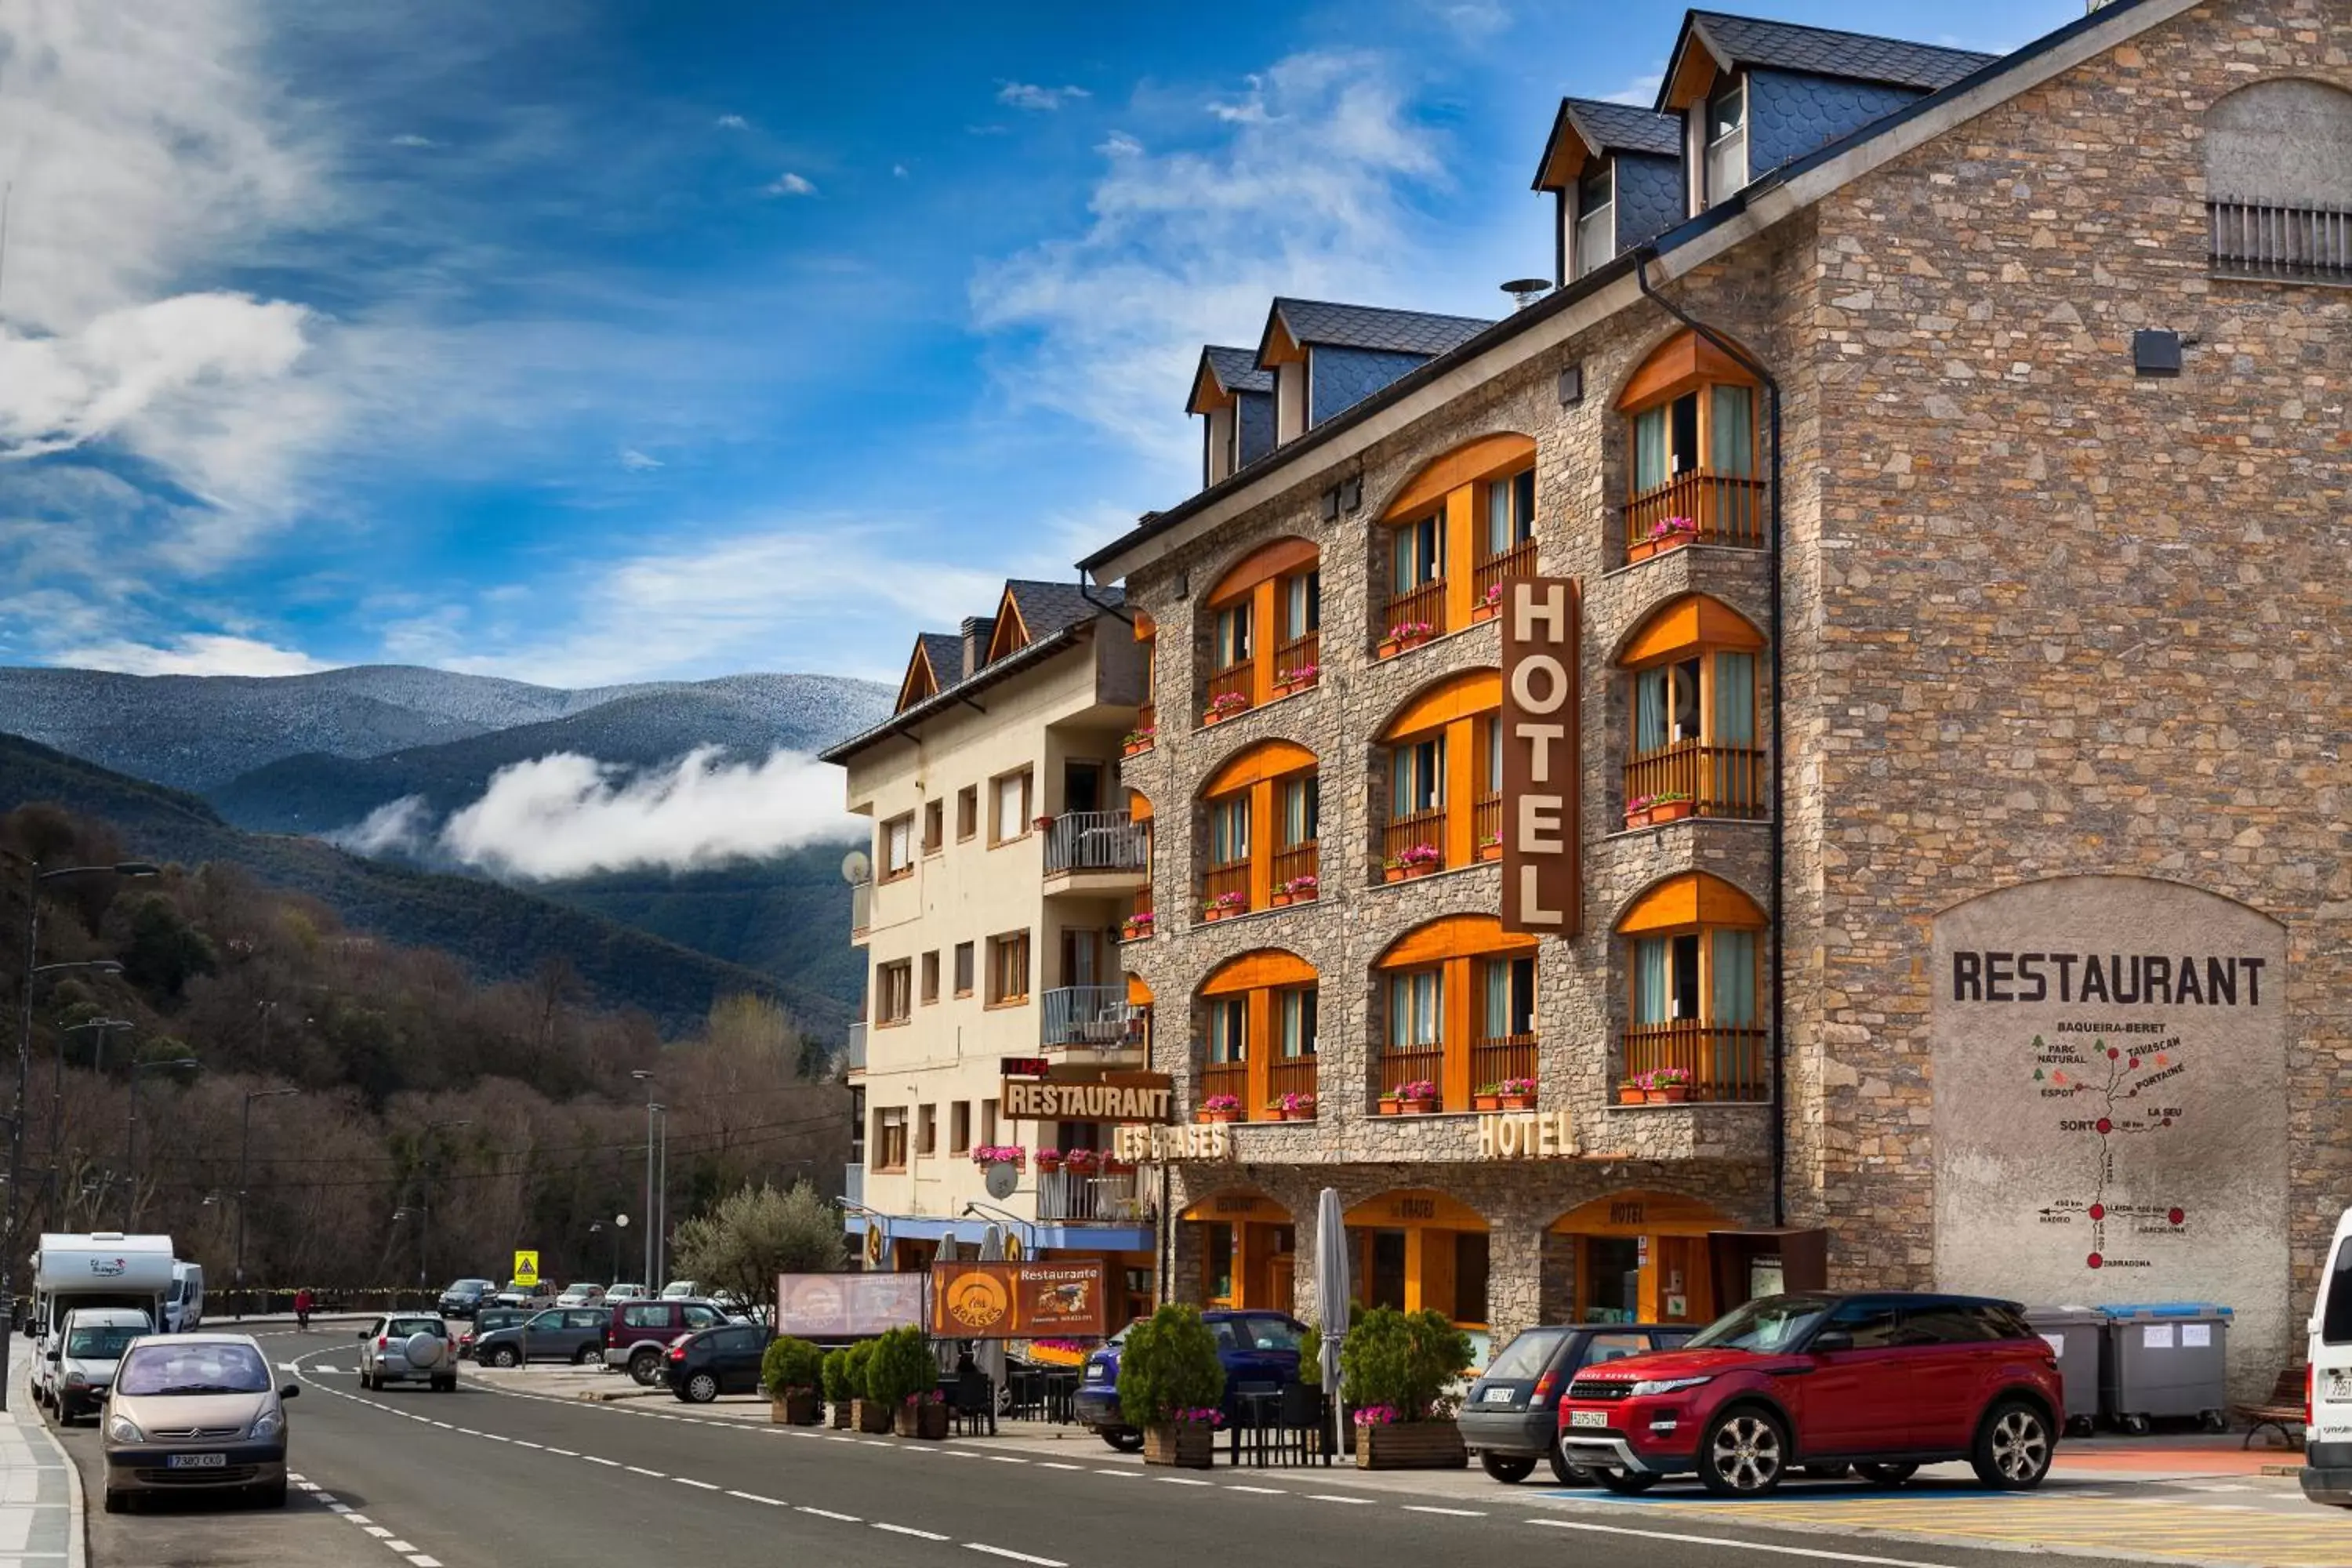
[(526, 1268)]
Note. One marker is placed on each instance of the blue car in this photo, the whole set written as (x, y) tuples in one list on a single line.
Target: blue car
[(1260, 1350)]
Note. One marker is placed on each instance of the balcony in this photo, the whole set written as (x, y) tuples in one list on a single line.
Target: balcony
[(1498, 1058), (1487, 581), (1401, 1065), (1422, 607), (1289, 1074), (852, 1048), (1098, 852), (1226, 889), (1420, 830), (1717, 780), (1232, 690), (861, 910), (1226, 1077), (1296, 863), (1725, 1062), (1719, 509), (2298, 244), (1298, 664), (1095, 1021), (1085, 1197)]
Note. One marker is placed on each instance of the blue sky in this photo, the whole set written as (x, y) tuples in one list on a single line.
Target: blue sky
[(591, 340)]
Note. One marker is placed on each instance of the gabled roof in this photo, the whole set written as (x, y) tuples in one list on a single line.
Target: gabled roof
[(1306, 321), (936, 664), (1737, 41), (1604, 128), (1049, 607)]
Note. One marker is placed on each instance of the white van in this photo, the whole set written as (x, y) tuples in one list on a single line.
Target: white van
[(73, 1378), (2327, 1456), (183, 1304)]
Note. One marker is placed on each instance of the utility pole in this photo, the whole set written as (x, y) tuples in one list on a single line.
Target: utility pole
[(244, 1152), (653, 1280), (130, 1143)]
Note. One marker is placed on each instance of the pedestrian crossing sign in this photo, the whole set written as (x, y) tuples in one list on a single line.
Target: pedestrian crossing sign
[(526, 1269)]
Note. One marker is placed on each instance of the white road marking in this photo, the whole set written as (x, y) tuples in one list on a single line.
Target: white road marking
[(1058, 1465), (593, 1459), (1005, 1459), (379, 1531), (641, 1471), (1183, 1481), (1449, 1512), (1262, 1491), (755, 1496), (1732, 1546), (828, 1513), (421, 1560), (697, 1486), (287, 1366), (1335, 1497), (1016, 1556), (1123, 1474), (567, 1453), (398, 1545), (909, 1530), (520, 1443), (357, 1518)]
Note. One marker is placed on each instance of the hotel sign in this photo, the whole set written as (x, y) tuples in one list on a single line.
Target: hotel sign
[(1117, 1096), (1542, 890), (1528, 1135)]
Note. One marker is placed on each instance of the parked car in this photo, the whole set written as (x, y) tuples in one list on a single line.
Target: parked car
[(2328, 1388), (1884, 1381), (194, 1410), (517, 1294), (407, 1347), (581, 1296), (73, 1379), (683, 1290), (701, 1367), (487, 1319), (183, 1304), (641, 1333), (575, 1334), (627, 1292), (1258, 1349), (1510, 1419), (466, 1297)]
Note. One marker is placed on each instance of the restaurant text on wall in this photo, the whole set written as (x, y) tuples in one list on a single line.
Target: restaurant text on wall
[(1541, 885)]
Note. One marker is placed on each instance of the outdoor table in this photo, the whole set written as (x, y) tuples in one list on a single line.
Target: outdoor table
[(1260, 1407), (1062, 1395)]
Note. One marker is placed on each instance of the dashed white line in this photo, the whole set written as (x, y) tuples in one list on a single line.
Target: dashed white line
[(599, 1459), (697, 1486), (1262, 1491), (1015, 1556), (1183, 1481), (567, 1453), (522, 1443), (641, 1471), (828, 1513), (379, 1531), (358, 1518), (421, 1561), (1123, 1475), (1058, 1465), (1005, 1459), (399, 1545), (1448, 1513), (1736, 1545), (755, 1496), (909, 1530), (1335, 1497)]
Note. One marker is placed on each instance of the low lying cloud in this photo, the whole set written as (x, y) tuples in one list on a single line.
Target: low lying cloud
[(199, 654), (569, 816), (403, 826)]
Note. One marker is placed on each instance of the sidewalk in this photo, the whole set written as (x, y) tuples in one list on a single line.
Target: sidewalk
[(40, 1492)]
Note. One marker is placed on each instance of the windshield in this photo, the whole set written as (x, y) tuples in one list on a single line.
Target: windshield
[(193, 1369), (1525, 1358), (101, 1344), (469, 1286), (1773, 1323)]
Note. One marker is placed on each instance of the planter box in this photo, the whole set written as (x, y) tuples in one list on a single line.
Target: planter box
[(1670, 810), (798, 1408), (1642, 549), (1490, 852), (1412, 1446), (1389, 1104), (1392, 873), (1636, 819), (1420, 867), (1519, 1102), (1675, 1096), (926, 1419), (1418, 1107), (841, 1409), (1487, 1102), (1132, 932), (1187, 1447), (1631, 1097), (1274, 1114), (1279, 900), (870, 1415), (1217, 1116), (1135, 748)]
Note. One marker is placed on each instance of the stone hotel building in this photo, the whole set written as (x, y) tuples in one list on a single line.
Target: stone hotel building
[(1943, 457)]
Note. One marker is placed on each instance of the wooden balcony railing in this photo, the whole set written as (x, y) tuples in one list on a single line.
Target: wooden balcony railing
[(1496, 1057), (1411, 1064), (1721, 781), (1227, 1077), (1237, 680), (1424, 604), (1146, 719), (1298, 860), (1519, 561), (1231, 877), (2253, 240), (1289, 1074), (1486, 823), (1300, 653), (1399, 833), (1727, 509), (1724, 1063)]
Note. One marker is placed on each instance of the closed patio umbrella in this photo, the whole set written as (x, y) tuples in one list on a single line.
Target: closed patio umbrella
[(989, 1355), (1332, 1292)]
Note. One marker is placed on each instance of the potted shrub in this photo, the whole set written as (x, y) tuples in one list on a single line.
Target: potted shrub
[(1490, 848), (900, 1372), (1671, 806), (1278, 897), (1080, 1162), (1135, 743), (1637, 812), (1302, 889), (1421, 859), (1630, 1092), (1171, 1384), (1273, 1111), (1666, 1086), (1517, 1093), (792, 1371), (836, 1387), (1391, 870), (1397, 1367), (1137, 926), (1298, 1107), (1389, 1104), (1418, 1097), (1487, 1096), (1226, 904), (1049, 1159), (1220, 1108), (866, 1413), (1297, 678), (1224, 705), (1490, 605), (1666, 533)]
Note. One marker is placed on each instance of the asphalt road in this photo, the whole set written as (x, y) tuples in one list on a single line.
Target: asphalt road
[(485, 1479)]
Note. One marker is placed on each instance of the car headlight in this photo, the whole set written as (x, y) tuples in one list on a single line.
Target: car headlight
[(121, 1429), (267, 1425), (74, 1379), (1654, 1386)]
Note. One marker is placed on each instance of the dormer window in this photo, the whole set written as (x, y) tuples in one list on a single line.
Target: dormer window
[(1596, 216), (1726, 141)]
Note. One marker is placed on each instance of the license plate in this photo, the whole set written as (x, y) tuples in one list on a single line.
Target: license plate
[(1588, 1418), (1497, 1397), (196, 1461)]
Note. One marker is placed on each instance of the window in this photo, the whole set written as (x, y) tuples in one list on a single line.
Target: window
[(2278, 181), (1293, 1022), (1301, 801), (963, 969), (927, 1130), (1669, 986), (960, 1127), (698, 1316), (1470, 1267), (1510, 513), (1417, 777), (1417, 555), (894, 986), (1302, 604), (988, 1121), (935, 827), (931, 976), (1008, 968), (1013, 812), (1229, 830), (1228, 1031), (1507, 999), (1290, 400), (1233, 635), (646, 1315), (1596, 216), (966, 811), (898, 847), (1952, 1323), (890, 1139), (1874, 1325), (1726, 141), (1416, 1009)]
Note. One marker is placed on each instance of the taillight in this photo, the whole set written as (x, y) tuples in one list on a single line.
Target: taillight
[(1544, 1385), (2310, 1393), (381, 1343), (678, 1352)]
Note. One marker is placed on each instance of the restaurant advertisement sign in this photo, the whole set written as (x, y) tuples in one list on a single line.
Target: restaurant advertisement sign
[(1059, 1297), (847, 1306)]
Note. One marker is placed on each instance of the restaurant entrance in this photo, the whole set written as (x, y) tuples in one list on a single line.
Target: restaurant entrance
[(1642, 1258), (1248, 1250)]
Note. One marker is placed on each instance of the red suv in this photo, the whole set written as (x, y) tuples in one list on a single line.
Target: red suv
[(1884, 1382), (640, 1333)]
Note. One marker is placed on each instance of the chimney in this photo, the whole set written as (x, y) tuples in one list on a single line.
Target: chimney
[(977, 630)]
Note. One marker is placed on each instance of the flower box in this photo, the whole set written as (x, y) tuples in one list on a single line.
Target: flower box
[(1135, 929), (1220, 1116), (1637, 814), (1273, 1113), (1664, 810), (1389, 1104), (1412, 1446), (1631, 1094), (1486, 1103), (1417, 1107), (1674, 1094), (870, 1417), (1182, 1445), (1420, 867), (1278, 899), (1392, 873), (1300, 890), (1490, 850), (923, 1418), (798, 1407), (1518, 1101), (1134, 748), (1668, 533), (1043, 823)]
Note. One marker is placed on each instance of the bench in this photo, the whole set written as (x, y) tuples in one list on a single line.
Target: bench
[(2283, 1410)]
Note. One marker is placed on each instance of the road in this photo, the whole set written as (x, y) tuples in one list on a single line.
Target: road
[(481, 1478)]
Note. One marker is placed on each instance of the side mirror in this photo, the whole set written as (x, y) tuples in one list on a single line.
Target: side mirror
[(56, 1356), (1829, 1340), (362, 1333), (289, 1391)]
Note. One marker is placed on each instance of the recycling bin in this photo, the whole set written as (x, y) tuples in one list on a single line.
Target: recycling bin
[(2165, 1358), (2074, 1333)]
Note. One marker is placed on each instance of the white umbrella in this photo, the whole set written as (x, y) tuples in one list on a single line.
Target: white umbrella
[(1331, 1286), (990, 1355)]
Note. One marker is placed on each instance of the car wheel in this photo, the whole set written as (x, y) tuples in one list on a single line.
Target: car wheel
[(506, 1356), (1744, 1454), (2013, 1447), (1567, 1474), (444, 1386), (646, 1366), (1508, 1470), (1126, 1439), (117, 1502), (1886, 1475), (270, 1496), (588, 1355), (701, 1388), (1624, 1483)]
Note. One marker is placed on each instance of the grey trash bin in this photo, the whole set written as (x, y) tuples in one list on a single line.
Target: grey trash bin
[(2166, 1358), (2074, 1332)]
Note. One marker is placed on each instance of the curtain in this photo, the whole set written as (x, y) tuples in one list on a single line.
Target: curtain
[(1298, 1023), (1650, 711), (1303, 604), (1733, 1004), (1009, 822), (1650, 450), (1493, 754), (1651, 990), (1497, 1021), (1734, 699), (1299, 812), (1414, 778), (1415, 1001), (1523, 506), (1498, 518), (1229, 1031), (1233, 635), (1732, 449), (1229, 831)]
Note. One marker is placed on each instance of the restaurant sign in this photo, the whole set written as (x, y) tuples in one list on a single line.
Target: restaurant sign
[(1541, 883), (847, 1306), (1119, 1096), (1160, 1145), (1060, 1296)]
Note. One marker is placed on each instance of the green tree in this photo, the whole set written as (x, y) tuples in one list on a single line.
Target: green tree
[(163, 952), (754, 1234), (1403, 1359), (901, 1367), (1169, 1364), (791, 1364)]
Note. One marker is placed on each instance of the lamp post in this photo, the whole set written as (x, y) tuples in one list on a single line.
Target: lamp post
[(34, 879), (652, 1265), (620, 1223), (243, 1151), (130, 1142), (58, 1088)]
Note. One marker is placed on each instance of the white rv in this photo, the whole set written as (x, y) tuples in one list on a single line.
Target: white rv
[(183, 1308), (103, 1268)]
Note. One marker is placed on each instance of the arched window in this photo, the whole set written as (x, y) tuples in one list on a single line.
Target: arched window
[(2278, 181), (1259, 1017), (1460, 997), (1694, 959), (1452, 537), (1265, 619), (1695, 451), (1696, 667), (1262, 831), (1443, 800)]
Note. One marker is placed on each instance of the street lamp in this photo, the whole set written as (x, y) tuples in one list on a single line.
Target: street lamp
[(620, 1223), (425, 1138), (656, 1199), (58, 1088), (34, 879), (130, 1142), (244, 1149)]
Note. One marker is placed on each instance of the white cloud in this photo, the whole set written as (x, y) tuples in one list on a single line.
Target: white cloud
[(396, 827), (1119, 144), (897, 171), (1641, 91), (569, 815), (1028, 95), (196, 654), (790, 185), (410, 139), (637, 462), (732, 122)]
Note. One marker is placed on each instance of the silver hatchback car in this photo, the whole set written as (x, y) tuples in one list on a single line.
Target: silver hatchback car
[(194, 1412), (408, 1347)]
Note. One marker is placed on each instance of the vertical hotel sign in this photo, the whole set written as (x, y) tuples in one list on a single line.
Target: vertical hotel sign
[(1543, 882)]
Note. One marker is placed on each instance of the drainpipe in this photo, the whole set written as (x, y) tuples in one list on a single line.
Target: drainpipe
[(1643, 258)]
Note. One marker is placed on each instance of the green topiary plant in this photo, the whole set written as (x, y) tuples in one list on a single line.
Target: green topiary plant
[(902, 1367), (791, 1365), (837, 1376), (1169, 1364), (856, 1362), (1403, 1361)]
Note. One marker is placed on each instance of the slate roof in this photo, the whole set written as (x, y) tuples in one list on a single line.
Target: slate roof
[(1372, 326), (1824, 51), (945, 652), (1237, 369), (1050, 608), (1625, 127)]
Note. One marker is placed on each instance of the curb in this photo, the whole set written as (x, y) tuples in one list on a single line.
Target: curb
[(2282, 1470), (76, 1504)]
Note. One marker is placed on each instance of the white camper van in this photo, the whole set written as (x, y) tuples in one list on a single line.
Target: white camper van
[(103, 1269), (183, 1308), (2327, 1432)]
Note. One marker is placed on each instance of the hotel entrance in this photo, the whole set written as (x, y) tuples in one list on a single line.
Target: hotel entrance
[(1248, 1250), (1416, 1249), (1642, 1258)]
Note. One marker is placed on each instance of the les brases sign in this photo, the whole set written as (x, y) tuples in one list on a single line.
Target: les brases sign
[(1542, 891)]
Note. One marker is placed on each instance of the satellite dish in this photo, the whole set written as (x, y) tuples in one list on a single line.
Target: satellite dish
[(1002, 1179), (621, 1220), (856, 866)]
